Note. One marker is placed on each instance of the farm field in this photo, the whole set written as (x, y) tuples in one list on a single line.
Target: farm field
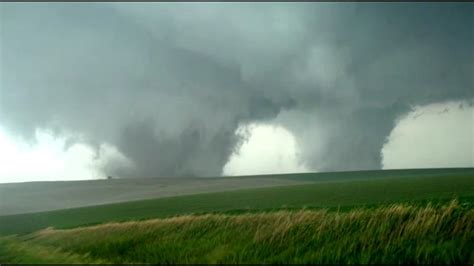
[(355, 217), (336, 193), (16, 198)]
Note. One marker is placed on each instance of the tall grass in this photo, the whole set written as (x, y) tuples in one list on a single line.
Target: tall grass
[(14, 251), (399, 233)]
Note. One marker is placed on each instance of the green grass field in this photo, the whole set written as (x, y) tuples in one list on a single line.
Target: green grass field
[(345, 193), (350, 218), (399, 233)]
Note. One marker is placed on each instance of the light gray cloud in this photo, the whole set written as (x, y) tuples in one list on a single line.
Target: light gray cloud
[(443, 134)]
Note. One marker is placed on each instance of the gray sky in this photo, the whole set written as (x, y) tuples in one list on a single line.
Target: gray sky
[(167, 85)]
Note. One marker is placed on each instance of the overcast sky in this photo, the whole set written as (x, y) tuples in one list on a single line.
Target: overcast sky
[(208, 89)]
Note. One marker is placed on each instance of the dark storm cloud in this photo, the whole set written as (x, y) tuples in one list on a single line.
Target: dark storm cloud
[(168, 84)]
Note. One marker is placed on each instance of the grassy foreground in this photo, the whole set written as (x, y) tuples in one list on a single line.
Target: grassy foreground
[(399, 233), (344, 194)]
